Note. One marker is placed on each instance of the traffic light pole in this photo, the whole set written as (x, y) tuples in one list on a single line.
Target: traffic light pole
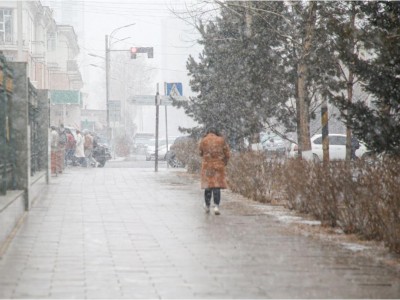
[(108, 50), (108, 88), (157, 102)]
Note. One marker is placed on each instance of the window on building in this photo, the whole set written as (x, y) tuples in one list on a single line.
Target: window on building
[(51, 42), (5, 25)]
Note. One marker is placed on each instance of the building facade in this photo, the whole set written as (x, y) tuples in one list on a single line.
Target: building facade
[(29, 33)]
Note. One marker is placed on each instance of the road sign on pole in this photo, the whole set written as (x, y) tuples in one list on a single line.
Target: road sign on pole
[(173, 89), (149, 99)]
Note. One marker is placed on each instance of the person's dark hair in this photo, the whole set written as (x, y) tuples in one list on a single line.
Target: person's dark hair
[(213, 130)]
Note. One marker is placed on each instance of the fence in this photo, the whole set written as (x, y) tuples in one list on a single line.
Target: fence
[(7, 155), (38, 140)]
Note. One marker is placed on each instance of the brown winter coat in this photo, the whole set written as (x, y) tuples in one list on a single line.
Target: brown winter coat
[(215, 153)]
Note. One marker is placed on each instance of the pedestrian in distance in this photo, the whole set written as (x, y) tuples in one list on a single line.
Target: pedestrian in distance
[(88, 148), (79, 149), (69, 147), (215, 154), (54, 142), (62, 142)]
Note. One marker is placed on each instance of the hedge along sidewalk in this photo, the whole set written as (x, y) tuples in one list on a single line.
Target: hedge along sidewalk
[(359, 198), (307, 225)]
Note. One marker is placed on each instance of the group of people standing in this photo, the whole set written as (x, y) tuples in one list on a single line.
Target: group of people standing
[(67, 149)]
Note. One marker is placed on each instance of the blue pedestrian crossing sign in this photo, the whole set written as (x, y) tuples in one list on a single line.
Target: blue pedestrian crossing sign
[(173, 89)]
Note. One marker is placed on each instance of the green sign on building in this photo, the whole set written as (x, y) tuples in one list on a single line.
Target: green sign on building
[(65, 97)]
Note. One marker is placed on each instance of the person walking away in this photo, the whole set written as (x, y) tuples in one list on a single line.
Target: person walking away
[(54, 149), (88, 148), (215, 155), (69, 147), (62, 142), (79, 149)]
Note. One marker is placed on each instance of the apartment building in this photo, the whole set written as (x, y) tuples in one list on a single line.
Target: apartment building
[(29, 33)]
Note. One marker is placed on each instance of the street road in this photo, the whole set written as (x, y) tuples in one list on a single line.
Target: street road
[(134, 161)]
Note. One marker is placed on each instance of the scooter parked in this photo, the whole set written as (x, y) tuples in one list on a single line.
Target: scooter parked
[(101, 153)]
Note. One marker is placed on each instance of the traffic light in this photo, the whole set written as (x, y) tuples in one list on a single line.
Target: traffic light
[(133, 52), (136, 50)]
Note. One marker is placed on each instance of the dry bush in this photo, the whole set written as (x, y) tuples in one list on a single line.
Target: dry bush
[(387, 201), (122, 146), (187, 152), (358, 213), (254, 176), (295, 180), (359, 197)]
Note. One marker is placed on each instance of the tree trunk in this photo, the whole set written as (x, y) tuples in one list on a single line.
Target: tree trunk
[(249, 19), (302, 73), (350, 83)]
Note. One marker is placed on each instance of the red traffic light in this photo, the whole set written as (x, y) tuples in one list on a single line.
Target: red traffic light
[(133, 52), (136, 50)]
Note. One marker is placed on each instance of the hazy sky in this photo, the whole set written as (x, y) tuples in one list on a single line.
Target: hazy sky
[(153, 20), (156, 25)]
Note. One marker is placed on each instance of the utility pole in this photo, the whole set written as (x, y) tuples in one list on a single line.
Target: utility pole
[(157, 100), (166, 129), (325, 132), (108, 50), (108, 88), (166, 120)]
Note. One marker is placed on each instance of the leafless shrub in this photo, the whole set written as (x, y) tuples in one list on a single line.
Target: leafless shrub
[(122, 146), (187, 152), (295, 181), (358, 214), (254, 176), (360, 197), (387, 201)]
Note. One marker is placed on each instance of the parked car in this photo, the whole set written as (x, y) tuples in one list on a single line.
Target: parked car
[(273, 145), (140, 142), (162, 148), (337, 147)]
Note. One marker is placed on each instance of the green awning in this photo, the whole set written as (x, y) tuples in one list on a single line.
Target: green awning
[(65, 97)]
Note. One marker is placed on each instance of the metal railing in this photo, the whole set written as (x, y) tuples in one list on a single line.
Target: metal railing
[(7, 153), (38, 141)]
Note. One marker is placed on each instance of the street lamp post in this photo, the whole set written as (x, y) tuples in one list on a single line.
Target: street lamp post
[(107, 88), (108, 50)]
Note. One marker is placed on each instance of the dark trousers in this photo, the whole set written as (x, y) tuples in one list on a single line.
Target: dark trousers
[(216, 192)]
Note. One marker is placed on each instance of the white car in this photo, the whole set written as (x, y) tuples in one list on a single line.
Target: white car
[(162, 149), (337, 147)]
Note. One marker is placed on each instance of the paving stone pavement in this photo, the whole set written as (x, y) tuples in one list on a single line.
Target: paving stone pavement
[(133, 233)]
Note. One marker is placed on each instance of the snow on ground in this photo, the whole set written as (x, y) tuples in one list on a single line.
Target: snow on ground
[(306, 225)]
